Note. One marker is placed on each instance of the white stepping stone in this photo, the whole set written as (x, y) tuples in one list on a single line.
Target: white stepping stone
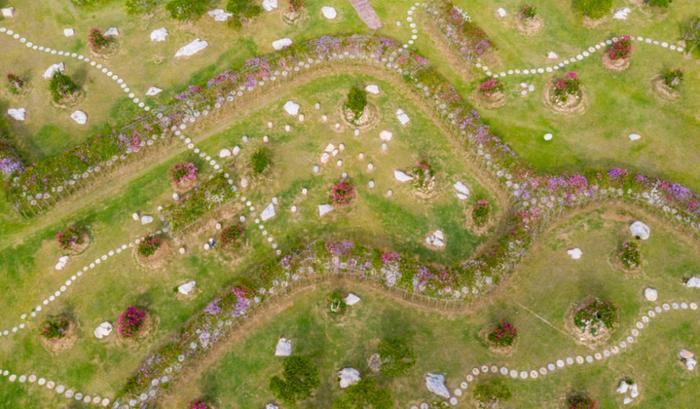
[(329, 12), (79, 117), (651, 294), (68, 32), (548, 137), (575, 253)]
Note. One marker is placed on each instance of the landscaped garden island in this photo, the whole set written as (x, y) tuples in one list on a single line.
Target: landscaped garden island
[(349, 204)]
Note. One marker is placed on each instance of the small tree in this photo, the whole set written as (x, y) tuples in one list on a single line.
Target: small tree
[(184, 10), (690, 33), (55, 326), (15, 83), (527, 11), (300, 377), (99, 41), (480, 212), (629, 254), (357, 101), (397, 356), (62, 86), (296, 5), (260, 160), (336, 303), (242, 10), (593, 8)]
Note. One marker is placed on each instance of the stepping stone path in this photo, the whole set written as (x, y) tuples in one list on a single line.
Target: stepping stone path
[(366, 12)]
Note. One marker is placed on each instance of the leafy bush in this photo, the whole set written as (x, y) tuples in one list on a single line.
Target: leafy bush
[(15, 83), (503, 334), (184, 172), (581, 401), (480, 212), (231, 236), (593, 8), (620, 49), (595, 316), (423, 175), (131, 321), (62, 86), (672, 78), (184, 10), (690, 33), (366, 394), (55, 326), (242, 10), (140, 6), (150, 244), (99, 41), (630, 254), (565, 86), (260, 160), (342, 192), (300, 377), (336, 303), (397, 356), (527, 11), (71, 236), (357, 101), (491, 390)]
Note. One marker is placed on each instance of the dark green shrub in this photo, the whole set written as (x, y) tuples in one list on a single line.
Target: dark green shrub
[(357, 101), (593, 8), (55, 326), (62, 86), (366, 394), (140, 6), (260, 160), (242, 10), (527, 11), (595, 316), (491, 390), (503, 334), (298, 381), (690, 33), (581, 401), (672, 78), (629, 254), (480, 212), (397, 356), (231, 236), (184, 10)]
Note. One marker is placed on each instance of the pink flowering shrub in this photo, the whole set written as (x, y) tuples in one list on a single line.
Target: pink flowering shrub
[(72, 235), (342, 192), (490, 86), (566, 86), (620, 49), (503, 334), (131, 321), (199, 404), (184, 172)]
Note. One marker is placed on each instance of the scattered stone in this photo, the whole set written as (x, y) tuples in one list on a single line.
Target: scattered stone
[(8, 12), (402, 176), (371, 184), (187, 288), (281, 43), (176, 196), (224, 153), (192, 48), (182, 250), (461, 190), (351, 299), (68, 32), (688, 359), (62, 262), (103, 330), (111, 32), (640, 230), (58, 67), (651, 294), (18, 114), (634, 137), (135, 216), (284, 347), (548, 137), (374, 363), (348, 376), (623, 387), (575, 253), (159, 35), (236, 150), (220, 15), (372, 89), (146, 219), (153, 91), (291, 108), (436, 384), (268, 213), (621, 14), (329, 12), (386, 136), (402, 117), (269, 5), (552, 55), (501, 12), (79, 117), (324, 209), (271, 406), (693, 282), (436, 239)]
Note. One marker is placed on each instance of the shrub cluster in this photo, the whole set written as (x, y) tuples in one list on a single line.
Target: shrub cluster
[(397, 356), (480, 212), (260, 160), (503, 334), (491, 390), (593, 8), (672, 77), (565, 86), (131, 321), (300, 378), (62, 86), (595, 316), (243, 10), (73, 235), (357, 101), (342, 192), (630, 256), (150, 244), (55, 326)]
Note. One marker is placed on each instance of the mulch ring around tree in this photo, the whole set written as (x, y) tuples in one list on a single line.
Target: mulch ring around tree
[(621, 64), (496, 349), (146, 332), (57, 345), (295, 17), (616, 263), (573, 105), (584, 337), (369, 117), (76, 249), (490, 101), (473, 228), (156, 260), (70, 101), (529, 26), (106, 52), (662, 90)]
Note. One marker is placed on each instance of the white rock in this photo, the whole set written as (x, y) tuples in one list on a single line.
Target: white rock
[(8, 12), (402, 117), (634, 137), (135, 216), (436, 384), (622, 387), (18, 114), (348, 376), (685, 354), (461, 190), (330, 148), (575, 253), (224, 153), (284, 347), (324, 209), (268, 213), (386, 136), (693, 282), (192, 48), (187, 288), (291, 108), (634, 391), (153, 91), (236, 150), (111, 32), (372, 89), (54, 68), (281, 43), (220, 15), (640, 230), (269, 5), (146, 219), (351, 299), (651, 294), (271, 406), (329, 12), (79, 117), (61, 264), (621, 14), (691, 363), (68, 32), (402, 177), (627, 400), (552, 55), (325, 157), (548, 137), (103, 330), (501, 12), (159, 35), (436, 239)]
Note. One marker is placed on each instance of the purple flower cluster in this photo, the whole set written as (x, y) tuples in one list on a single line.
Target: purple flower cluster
[(10, 165), (339, 248), (213, 308)]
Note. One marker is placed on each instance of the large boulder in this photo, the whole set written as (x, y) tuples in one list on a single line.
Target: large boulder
[(436, 384), (651, 294), (436, 239), (351, 299), (159, 35), (111, 32), (153, 91), (348, 376), (291, 108), (187, 288), (192, 48), (269, 5), (324, 209), (220, 15), (268, 213), (693, 282), (461, 190), (18, 114), (640, 230), (284, 347), (575, 253), (281, 43), (402, 176), (402, 117), (53, 68), (8, 12), (103, 330)]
